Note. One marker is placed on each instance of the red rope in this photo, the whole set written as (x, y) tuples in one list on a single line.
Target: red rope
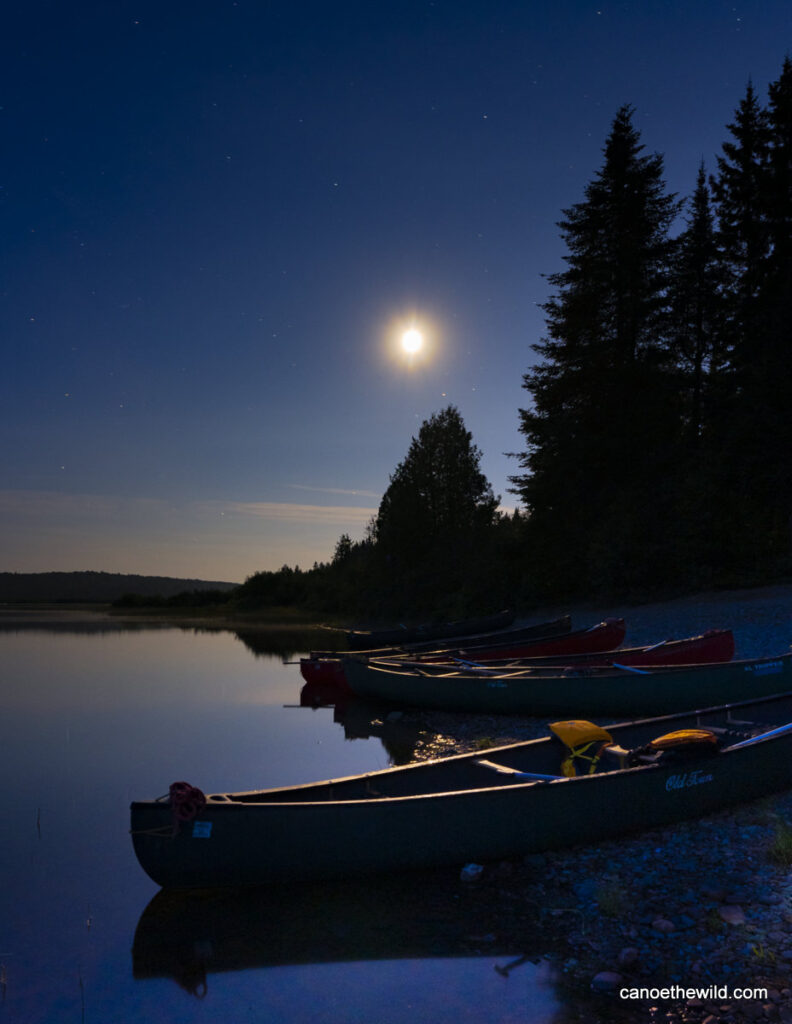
[(186, 802)]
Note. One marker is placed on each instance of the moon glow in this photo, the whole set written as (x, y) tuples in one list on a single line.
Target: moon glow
[(412, 340)]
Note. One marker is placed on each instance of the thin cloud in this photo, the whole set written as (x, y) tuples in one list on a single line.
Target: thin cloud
[(332, 490), (86, 508), (289, 512)]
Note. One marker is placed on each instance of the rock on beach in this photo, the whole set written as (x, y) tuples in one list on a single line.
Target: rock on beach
[(606, 981), (732, 914)]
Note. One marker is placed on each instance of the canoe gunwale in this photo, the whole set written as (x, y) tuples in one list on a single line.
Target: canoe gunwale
[(231, 802)]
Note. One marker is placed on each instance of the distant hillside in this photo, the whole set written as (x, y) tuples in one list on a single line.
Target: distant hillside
[(93, 587)]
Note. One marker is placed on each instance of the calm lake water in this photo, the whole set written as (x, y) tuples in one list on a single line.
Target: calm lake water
[(95, 718)]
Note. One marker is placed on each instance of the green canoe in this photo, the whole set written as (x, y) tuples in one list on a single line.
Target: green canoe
[(576, 690), (468, 807)]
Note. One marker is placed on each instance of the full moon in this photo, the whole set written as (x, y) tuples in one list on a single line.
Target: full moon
[(412, 340)]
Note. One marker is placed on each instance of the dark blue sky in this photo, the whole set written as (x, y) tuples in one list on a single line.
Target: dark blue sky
[(216, 215)]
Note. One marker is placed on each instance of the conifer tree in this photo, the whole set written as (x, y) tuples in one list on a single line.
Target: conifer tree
[(436, 509), (753, 193), (603, 415), (779, 197), (702, 510), (698, 316), (768, 385), (740, 194), (777, 300)]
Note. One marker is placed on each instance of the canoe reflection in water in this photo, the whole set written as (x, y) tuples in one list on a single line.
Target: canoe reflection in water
[(362, 720), (187, 936)]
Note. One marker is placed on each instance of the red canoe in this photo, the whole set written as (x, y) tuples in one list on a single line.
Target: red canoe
[(604, 636), (716, 645), (325, 675)]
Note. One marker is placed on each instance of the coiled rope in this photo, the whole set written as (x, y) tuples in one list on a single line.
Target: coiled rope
[(186, 803)]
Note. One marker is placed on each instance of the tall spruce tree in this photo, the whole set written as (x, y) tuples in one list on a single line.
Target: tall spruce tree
[(697, 313), (775, 366), (700, 480), (603, 416), (779, 178), (740, 189), (753, 193)]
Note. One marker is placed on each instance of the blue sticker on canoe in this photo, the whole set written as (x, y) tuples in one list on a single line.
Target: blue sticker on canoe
[(202, 829), (767, 668)]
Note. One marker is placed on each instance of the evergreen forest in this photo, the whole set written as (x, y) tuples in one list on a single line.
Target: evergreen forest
[(657, 425)]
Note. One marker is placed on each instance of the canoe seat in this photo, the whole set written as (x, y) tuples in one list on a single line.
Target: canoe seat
[(515, 773)]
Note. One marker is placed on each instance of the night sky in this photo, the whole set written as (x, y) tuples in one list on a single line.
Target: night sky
[(218, 217)]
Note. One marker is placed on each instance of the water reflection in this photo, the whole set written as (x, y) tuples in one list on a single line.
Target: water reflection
[(187, 936), (362, 720), (417, 947), (99, 713), (76, 622), (286, 643), (261, 640)]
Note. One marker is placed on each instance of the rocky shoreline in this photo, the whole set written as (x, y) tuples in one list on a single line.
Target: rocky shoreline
[(703, 905), (700, 905)]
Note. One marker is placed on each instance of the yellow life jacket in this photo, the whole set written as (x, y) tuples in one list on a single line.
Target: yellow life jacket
[(579, 737)]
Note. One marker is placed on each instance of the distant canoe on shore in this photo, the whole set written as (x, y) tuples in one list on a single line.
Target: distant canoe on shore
[(548, 639), (365, 639)]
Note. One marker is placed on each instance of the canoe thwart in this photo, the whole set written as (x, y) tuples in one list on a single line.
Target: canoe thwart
[(515, 773)]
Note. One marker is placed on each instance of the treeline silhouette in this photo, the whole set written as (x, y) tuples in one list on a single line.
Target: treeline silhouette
[(659, 433), (195, 598), (97, 587), (658, 427)]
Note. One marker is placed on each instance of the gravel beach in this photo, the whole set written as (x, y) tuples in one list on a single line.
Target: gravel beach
[(703, 905)]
